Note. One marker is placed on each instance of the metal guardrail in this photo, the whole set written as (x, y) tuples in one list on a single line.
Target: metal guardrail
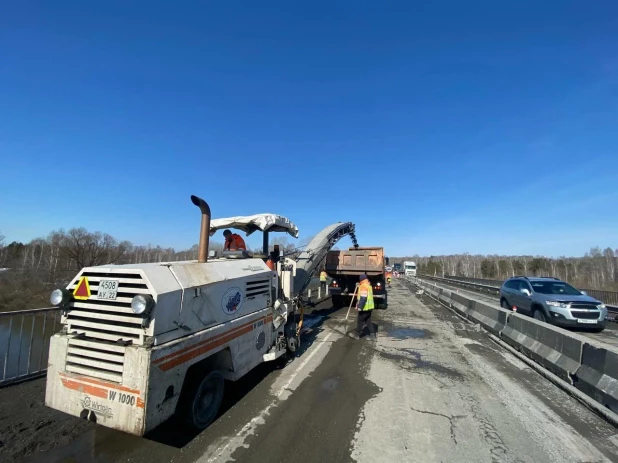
[(609, 298), (24, 343)]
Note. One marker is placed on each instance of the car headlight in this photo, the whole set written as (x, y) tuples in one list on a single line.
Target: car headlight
[(601, 306), (142, 304), (556, 304), (60, 297)]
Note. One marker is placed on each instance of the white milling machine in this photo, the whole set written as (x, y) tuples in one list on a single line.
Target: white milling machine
[(141, 342)]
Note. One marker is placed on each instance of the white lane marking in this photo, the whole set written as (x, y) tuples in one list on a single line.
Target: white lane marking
[(302, 365), (224, 453)]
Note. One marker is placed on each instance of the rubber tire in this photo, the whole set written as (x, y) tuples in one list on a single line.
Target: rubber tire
[(541, 314), (215, 381), (505, 305)]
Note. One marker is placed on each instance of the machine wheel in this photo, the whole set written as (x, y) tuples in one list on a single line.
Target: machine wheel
[(539, 315), (505, 305), (204, 400)]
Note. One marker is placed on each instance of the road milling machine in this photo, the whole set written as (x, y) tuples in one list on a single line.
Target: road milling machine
[(142, 342)]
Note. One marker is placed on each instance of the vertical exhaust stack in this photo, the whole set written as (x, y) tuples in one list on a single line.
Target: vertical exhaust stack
[(202, 252)]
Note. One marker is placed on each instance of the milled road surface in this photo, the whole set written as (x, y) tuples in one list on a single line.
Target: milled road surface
[(433, 389)]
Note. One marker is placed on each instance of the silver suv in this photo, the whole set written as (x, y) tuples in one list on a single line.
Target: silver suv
[(553, 301)]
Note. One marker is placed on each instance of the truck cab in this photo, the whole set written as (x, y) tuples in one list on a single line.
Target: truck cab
[(409, 268)]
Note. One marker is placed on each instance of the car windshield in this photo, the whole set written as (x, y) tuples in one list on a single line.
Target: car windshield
[(554, 287)]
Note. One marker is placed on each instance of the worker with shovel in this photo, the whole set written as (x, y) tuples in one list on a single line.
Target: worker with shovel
[(364, 307)]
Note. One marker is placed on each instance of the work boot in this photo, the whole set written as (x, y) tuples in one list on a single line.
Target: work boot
[(372, 337), (354, 335)]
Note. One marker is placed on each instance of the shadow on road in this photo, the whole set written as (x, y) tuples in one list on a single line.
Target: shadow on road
[(171, 432)]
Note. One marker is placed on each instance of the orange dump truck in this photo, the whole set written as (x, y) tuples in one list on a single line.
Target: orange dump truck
[(344, 267)]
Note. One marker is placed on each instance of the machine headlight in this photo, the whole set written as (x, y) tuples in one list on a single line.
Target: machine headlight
[(556, 304), (142, 304), (60, 297)]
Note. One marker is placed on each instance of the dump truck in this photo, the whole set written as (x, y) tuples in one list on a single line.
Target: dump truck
[(142, 342), (344, 268)]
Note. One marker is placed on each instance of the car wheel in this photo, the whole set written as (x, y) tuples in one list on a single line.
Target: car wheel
[(505, 305), (540, 315)]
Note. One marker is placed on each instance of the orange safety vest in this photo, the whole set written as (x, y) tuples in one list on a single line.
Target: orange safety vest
[(234, 243), (365, 290)]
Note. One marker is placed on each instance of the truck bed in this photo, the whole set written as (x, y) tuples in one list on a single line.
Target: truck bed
[(368, 260)]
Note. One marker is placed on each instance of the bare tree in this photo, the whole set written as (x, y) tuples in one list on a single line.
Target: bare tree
[(85, 249), (596, 269)]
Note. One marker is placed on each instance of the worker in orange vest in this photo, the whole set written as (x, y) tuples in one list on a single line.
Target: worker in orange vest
[(233, 241), (365, 306)]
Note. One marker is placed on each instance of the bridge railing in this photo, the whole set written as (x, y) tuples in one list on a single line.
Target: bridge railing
[(609, 298), (25, 335), (24, 343)]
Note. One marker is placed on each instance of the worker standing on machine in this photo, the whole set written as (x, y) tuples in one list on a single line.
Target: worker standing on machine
[(233, 241), (364, 306)]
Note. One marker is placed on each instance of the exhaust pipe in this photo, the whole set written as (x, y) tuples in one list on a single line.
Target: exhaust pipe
[(202, 251)]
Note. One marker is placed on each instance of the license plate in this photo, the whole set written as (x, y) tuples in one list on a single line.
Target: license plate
[(108, 290), (591, 322)]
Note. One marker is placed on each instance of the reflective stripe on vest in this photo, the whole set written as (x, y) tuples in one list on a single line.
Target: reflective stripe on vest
[(366, 287)]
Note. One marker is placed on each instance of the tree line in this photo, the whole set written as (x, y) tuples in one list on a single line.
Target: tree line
[(30, 271), (595, 270)]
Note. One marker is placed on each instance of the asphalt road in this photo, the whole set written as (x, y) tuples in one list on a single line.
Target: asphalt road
[(432, 389), (609, 335)]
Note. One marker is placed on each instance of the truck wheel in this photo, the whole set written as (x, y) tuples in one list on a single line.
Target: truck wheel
[(204, 401)]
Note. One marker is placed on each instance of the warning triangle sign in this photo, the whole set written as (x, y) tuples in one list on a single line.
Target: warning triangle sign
[(82, 290)]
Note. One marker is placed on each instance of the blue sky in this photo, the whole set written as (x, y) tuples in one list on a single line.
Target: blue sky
[(436, 127)]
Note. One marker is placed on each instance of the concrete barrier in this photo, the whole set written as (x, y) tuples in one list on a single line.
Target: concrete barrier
[(556, 349), (462, 304), (589, 365), (598, 375), (493, 319)]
